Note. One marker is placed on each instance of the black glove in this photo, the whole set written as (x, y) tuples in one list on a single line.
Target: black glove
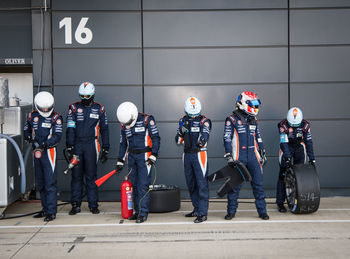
[(70, 150), (29, 140), (262, 153), (120, 165), (151, 160), (35, 144), (184, 129), (288, 162), (104, 155), (230, 160), (201, 143), (43, 146), (312, 162)]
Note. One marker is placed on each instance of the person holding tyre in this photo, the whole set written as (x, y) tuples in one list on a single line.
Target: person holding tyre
[(295, 145)]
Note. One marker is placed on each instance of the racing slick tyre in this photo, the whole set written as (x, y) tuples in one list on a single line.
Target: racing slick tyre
[(164, 198), (302, 189)]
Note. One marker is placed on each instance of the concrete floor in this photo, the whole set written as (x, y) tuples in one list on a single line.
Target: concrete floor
[(324, 234)]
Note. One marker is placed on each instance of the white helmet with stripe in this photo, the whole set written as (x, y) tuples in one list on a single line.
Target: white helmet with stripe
[(193, 107), (127, 113), (86, 90), (294, 117)]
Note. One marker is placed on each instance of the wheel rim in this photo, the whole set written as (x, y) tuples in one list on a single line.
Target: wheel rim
[(291, 194)]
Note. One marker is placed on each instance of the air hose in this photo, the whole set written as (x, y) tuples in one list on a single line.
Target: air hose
[(23, 175), (149, 189), (21, 161)]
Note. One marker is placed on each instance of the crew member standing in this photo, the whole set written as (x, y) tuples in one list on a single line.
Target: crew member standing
[(86, 120), (43, 128), (193, 132), (139, 144), (295, 143), (243, 142)]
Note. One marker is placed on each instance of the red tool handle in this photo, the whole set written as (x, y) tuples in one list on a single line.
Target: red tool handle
[(104, 178)]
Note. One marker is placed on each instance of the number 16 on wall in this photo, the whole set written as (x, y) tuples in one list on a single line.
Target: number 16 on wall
[(82, 35)]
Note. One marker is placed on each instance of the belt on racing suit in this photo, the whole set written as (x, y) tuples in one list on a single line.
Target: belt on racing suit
[(194, 150), (140, 151), (296, 142)]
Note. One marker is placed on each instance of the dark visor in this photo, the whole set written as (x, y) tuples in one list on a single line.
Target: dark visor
[(46, 109)]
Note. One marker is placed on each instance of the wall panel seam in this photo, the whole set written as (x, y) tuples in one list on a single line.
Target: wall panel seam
[(213, 10)]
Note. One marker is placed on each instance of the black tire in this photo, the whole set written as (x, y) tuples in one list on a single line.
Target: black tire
[(164, 198), (302, 189)]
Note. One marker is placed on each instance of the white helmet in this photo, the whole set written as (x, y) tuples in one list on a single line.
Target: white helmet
[(193, 107), (249, 103), (86, 90), (44, 102), (294, 117), (127, 113)]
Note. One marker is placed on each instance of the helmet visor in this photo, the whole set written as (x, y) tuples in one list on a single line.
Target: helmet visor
[(45, 109), (129, 122), (85, 96), (254, 103)]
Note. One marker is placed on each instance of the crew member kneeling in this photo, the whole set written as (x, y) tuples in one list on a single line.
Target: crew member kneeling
[(295, 143)]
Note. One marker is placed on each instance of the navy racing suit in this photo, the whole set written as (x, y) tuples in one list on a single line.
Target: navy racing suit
[(84, 126), (195, 159), (243, 140), (46, 132), (137, 144), (295, 143)]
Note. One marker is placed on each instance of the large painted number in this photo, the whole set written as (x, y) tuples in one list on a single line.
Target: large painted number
[(82, 30), (67, 24), (83, 35)]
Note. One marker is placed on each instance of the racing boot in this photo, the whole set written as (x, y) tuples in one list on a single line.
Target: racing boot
[(264, 216), (50, 217), (230, 216), (141, 219), (281, 208), (133, 217), (41, 214), (75, 209), (95, 210), (191, 214), (200, 219)]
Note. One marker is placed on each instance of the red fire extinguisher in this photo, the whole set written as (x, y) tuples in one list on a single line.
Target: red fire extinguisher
[(126, 198)]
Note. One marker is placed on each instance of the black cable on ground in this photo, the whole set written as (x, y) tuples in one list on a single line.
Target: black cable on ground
[(31, 213), (36, 212)]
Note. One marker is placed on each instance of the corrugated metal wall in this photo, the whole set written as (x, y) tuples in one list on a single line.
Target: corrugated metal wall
[(158, 52)]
